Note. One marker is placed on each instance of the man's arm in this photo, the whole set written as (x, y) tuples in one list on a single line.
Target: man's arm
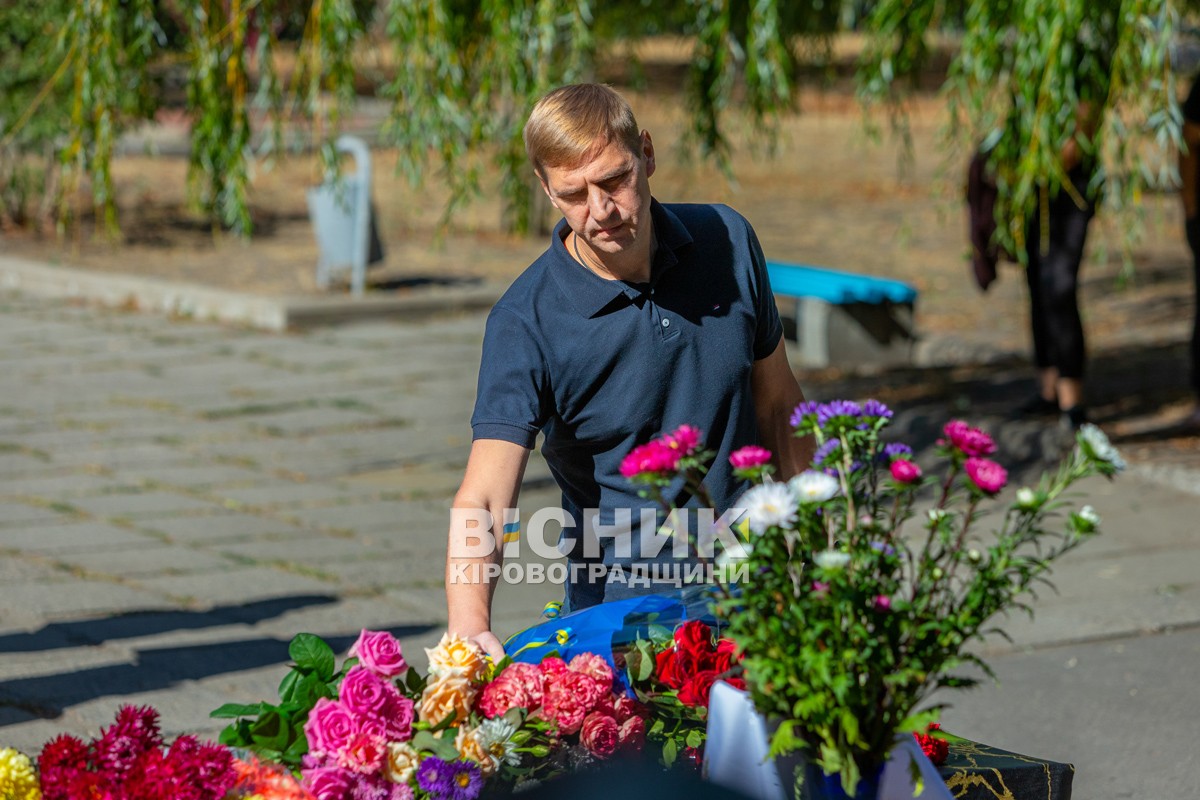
[(776, 395), (491, 484)]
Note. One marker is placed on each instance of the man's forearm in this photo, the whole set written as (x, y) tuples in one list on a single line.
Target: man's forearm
[(475, 554)]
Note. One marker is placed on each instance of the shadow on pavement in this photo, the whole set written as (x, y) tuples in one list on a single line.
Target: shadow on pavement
[(47, 696), (58, 635)]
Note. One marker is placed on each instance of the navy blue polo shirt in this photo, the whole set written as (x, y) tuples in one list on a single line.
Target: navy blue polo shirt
[(601, 366)]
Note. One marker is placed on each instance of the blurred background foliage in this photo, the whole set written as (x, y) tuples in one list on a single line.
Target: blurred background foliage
[(1024, 78)]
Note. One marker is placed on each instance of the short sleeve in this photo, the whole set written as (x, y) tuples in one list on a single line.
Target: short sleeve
[(510, 403), (769, 329), (1191, 106)]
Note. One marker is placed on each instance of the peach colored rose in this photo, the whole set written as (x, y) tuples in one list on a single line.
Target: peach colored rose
[(447, 696), (456, 656), (401, 762), (469, 747)]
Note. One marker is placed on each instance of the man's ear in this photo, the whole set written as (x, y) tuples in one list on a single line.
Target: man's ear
[(648, 152), (545, 187)]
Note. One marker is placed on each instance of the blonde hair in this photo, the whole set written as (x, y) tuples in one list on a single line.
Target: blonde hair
[(572, 121)]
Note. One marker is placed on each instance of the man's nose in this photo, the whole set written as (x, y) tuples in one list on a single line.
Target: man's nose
[(600, 203)]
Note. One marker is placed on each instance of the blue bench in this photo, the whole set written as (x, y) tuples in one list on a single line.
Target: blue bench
[(843, 318)]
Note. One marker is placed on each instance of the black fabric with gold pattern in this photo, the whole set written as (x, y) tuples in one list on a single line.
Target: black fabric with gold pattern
[(975, 771)]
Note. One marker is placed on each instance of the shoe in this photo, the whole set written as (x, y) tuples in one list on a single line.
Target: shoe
[(1073, 418), (1036, 406)]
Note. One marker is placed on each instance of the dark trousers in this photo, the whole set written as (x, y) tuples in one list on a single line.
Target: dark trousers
[(1053, 277), (1193, 237)]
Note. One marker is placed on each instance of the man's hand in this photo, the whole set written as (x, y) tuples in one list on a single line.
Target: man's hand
[(490, 487)]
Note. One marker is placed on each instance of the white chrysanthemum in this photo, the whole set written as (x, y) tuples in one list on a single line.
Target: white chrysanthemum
[(1100, 447), (1089, 515), (767, 505), (936, 515), (831, 559), (1026, 498), (496, 739), (814, 487)]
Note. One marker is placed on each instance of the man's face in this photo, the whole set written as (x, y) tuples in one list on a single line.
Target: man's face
[(606, 199)]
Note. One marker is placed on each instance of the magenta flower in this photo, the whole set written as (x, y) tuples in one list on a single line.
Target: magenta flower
[(989, 476), (882, 603), (749, 457), (820, 589), (685, 439), (379, 652), (971, 441), (328, 783), (653, 457), (905, 471), (329, 727)]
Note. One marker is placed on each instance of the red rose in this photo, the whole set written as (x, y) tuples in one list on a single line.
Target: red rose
[(632, 734), (724, 659), (625, 709), (694, 637), (695, 691), (935, 749), (600, 734), (666, 669)]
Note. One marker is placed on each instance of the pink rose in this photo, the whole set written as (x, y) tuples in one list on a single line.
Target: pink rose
[(749, 457), (600, 735), (989, 476), (365, 752), (632, 734), (530, 678), (364, 692), (568, 698), (552, 666), (905, 471), (398, 719), (502, 695), (625, 708), (594, 667), (379, 652), (329, 727), (328, 783)]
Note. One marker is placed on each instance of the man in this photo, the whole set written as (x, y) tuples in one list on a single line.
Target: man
[(639, 318), (1189, 173)]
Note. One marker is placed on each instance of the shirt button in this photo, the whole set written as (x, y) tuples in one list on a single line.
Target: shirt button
[(666, 323), (652, 291)]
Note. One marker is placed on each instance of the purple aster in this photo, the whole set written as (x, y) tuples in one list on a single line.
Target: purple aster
[(807, 408), (837, 408), (883, 547), (466, 782), (825, 451), (897, 450), (436, 777), (874, 408)]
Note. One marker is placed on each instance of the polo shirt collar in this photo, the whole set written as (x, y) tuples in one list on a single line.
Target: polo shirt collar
[(590, 294)]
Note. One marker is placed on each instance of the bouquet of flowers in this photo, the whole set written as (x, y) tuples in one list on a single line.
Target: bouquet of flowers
[(672, 673), (853, 608), (129, 760), (377, 729)]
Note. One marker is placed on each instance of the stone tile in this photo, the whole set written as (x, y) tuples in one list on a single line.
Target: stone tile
[(80, 536), (156, 559), (309, 549), (244, 584), (77, 597), (15, 513), (142, 504), (290, 494), (59, 486), (190, 475), (208, 528)]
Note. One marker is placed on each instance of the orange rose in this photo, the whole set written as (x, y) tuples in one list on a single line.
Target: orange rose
[(449, 696), (471, 748), (456, 656)]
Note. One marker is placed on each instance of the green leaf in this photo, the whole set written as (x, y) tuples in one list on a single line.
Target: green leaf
[(312, 654), (287, 686), (427, 741), (233, 710), (695, 738), (271, 730), (670, 752)]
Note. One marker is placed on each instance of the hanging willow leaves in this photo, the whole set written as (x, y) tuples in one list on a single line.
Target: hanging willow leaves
[(1026, 78)]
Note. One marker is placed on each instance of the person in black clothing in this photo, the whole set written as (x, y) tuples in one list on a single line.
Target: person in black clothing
[(1054, 244), (1189, 172)]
